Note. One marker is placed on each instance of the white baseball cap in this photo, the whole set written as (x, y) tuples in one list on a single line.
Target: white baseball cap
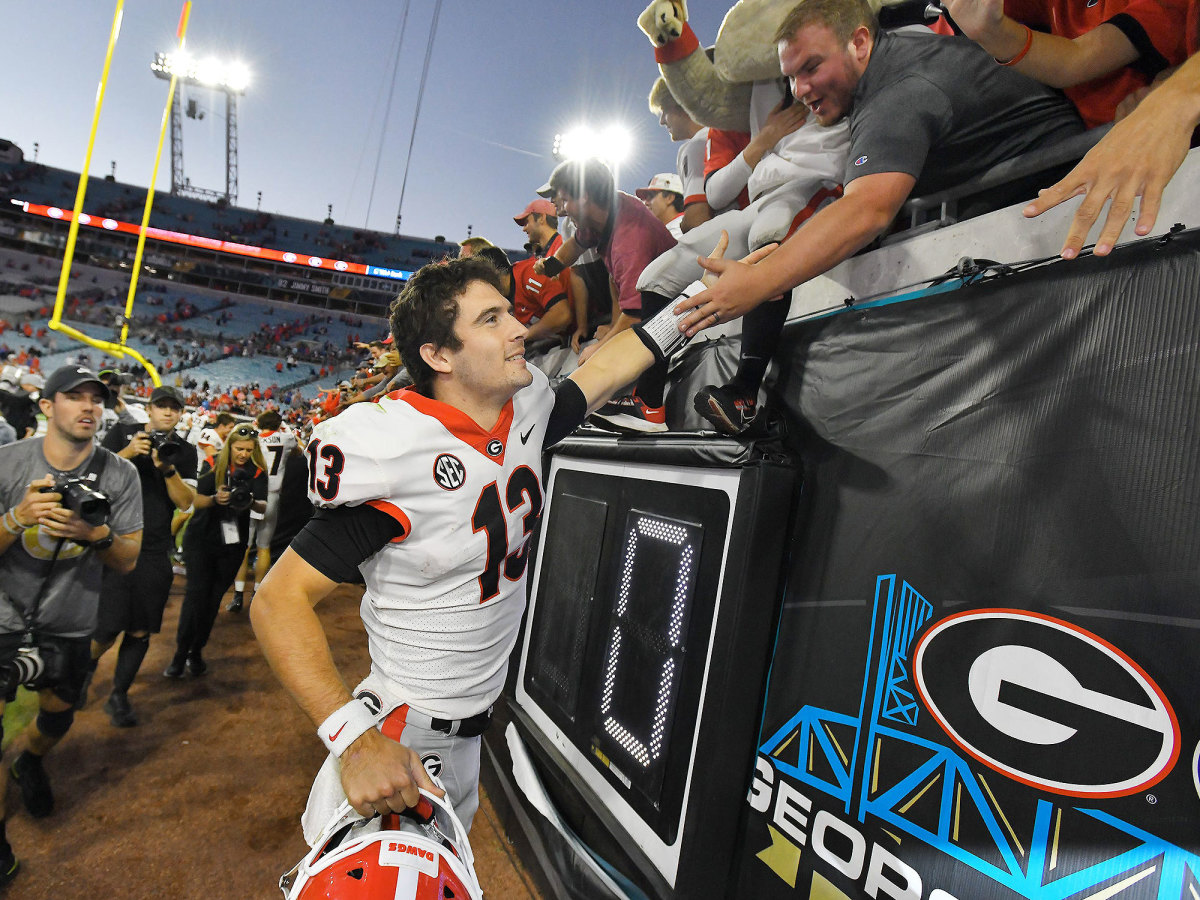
[(663, 181)]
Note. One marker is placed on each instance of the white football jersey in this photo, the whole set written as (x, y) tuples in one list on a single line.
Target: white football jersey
[(276, 445), (443, 603)]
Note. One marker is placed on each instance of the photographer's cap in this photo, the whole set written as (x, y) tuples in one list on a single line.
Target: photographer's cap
[(167, 392), (68, 378)]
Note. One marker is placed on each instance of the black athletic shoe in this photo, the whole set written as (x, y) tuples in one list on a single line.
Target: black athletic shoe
[(175, 669), (9, 866), (729, 412), (630, 413), (120, 711), (82, 700), (29, 775), (196, 664), (235, 605)]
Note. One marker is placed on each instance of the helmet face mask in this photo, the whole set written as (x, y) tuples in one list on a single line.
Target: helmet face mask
[(393, 857)]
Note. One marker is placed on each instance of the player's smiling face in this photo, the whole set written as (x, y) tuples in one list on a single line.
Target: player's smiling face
[(822, 71), (491, 362)]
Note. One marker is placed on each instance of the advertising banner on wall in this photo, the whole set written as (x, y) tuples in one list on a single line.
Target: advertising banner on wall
[(985, 681)]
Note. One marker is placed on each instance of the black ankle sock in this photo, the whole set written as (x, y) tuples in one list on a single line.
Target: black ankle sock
[(761, 328), (129, 660)]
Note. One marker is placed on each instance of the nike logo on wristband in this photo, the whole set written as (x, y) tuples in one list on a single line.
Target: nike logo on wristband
[(525, 436), (333, 737)]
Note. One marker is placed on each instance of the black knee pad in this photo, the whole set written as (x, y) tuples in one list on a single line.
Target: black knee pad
[(132, 639), (55, 724)]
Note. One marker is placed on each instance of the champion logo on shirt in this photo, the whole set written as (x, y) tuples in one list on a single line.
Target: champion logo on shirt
[(860, 160)]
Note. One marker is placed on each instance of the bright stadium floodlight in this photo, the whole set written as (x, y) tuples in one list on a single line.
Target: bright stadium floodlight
[(210, 72), (231, 79), (612, 143)]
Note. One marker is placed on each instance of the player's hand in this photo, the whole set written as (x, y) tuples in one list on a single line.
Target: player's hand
[(587, 352), (539, 267), (380, 775), (1135, 159), (662, 21), (139, 445), (577, 338), (723, 302)]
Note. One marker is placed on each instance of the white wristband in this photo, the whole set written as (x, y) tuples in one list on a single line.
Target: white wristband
[(345, 726), (661, 331)]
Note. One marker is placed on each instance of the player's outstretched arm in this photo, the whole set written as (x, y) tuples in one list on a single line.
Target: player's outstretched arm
[(1137, 158), (378, 774)]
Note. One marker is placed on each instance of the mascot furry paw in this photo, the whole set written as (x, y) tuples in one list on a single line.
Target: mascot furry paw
[(663, 20)]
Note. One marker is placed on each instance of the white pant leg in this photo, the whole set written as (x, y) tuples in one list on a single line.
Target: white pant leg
[(674, 270)]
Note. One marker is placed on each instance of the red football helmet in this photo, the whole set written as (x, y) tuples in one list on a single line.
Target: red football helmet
[(422, 854)]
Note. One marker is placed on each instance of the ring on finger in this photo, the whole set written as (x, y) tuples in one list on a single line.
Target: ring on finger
[(716, 317)]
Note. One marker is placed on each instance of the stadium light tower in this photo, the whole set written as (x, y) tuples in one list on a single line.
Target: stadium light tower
[(231, 79)]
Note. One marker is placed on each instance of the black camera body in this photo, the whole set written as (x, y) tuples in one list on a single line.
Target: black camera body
[(238, 482), (167, 445), (36, 666), (80, 497)]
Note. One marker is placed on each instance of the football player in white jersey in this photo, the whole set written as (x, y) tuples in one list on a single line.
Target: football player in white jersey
[(432, 494), (277, 442)]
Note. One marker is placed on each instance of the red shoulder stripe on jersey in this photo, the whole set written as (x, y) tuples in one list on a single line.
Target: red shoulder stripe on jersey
[(462, 426), (694, 198), (395, 512), (393, 725)]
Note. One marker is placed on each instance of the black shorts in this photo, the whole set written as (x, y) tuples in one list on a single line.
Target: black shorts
[(135, 602), (75, 660)]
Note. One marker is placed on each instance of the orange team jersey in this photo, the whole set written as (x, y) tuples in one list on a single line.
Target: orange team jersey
[(533, 294), (1156, 28), (720, 150)]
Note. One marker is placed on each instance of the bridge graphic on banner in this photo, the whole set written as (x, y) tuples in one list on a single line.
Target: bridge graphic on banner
[(876, 766)]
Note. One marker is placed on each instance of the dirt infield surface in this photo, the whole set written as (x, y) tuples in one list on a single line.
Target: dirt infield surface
[(201, 801)]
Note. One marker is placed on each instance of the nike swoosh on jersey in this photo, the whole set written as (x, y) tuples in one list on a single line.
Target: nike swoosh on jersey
[(525, 436)]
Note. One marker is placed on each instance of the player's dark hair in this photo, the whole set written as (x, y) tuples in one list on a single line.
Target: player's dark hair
[(496, 257), (584, 177), (224, 418), (427, 308), (269, 420), (676, 201)]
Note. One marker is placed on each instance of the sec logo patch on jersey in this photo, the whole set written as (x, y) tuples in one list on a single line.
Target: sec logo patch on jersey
[(1047, 703), (449, 472)]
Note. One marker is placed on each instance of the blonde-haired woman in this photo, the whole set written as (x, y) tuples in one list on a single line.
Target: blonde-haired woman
[(215, 540)]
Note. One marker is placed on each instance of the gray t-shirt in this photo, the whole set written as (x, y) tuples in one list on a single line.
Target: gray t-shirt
[(940, 109), (68, 608)]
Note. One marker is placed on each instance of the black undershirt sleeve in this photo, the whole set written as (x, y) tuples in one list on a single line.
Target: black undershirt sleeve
[(570, 408), (1149, 62), (336, 541)]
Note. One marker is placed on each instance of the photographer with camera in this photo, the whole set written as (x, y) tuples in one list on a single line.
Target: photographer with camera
[(215, 540), (70, 509), (133, 604)]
